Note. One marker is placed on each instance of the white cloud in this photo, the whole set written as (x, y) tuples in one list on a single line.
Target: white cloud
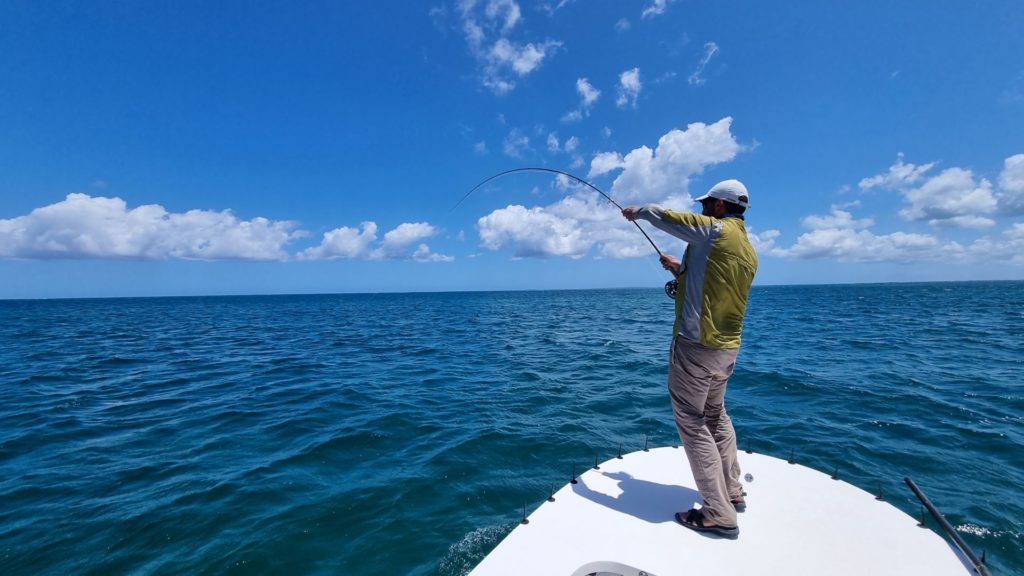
[(588, 93), (697, 78), (1011, 185), (838, 218), (840, 236), (83, 226), (487, 27), (850, 245), (951, 198), (656, 8), (622, 25), (964, 222), (584, 223), (951, 194), (343, 242), (570, 147), (534, 232), (899, 176), (604, 162), (763, 242), (588, 96), (651, 175), (423, 254), (572, 116), (1008, 247), (352, 243), (553, 144), (516, 144), (551, 9), (629, 88), (407, 233)]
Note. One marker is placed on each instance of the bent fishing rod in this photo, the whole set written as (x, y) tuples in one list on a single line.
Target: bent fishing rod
[(568, 175)]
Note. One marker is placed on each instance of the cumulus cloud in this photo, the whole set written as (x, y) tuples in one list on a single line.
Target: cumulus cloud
[(953, 197), (343, 242), (1009, 246), (533, 232), (83, 226), (629, 88), (1011, 185), (585, 223), (353, 243), (655, 8), (899, 176), (763, 242), (840, 236), (651, 175), (697, 78), (487, 27), (851, 245)]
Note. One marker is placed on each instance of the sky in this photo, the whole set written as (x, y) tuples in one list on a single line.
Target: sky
[(208, 148)]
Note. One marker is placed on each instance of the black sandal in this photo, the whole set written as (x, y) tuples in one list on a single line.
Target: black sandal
[(694, 520)]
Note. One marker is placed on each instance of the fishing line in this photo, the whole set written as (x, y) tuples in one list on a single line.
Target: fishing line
[(553, 171)]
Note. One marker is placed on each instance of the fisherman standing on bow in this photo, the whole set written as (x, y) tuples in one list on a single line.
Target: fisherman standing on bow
[(714, 280)]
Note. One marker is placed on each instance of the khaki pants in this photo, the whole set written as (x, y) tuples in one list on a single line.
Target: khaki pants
[(697, 378)]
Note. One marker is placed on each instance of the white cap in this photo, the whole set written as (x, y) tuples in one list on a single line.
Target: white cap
[(729, 190)]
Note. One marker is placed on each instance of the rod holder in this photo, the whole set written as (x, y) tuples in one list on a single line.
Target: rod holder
[(880, 493), (551, 494), (620, 451), (645, 443), (835, 473), (525, 521), (573, 481), (791, 461)]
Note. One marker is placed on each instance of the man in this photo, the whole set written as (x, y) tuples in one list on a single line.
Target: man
[(714, 279)]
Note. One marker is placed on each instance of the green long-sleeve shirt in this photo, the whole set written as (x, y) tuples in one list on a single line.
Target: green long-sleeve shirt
[(714, 278)]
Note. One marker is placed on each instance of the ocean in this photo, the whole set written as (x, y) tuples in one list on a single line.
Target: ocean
[(404, 433)]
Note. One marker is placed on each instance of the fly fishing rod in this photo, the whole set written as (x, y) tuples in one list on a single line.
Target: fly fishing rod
[(671, 287), (568, 175)]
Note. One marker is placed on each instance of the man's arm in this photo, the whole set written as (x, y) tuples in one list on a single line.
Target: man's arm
[(686, 226)]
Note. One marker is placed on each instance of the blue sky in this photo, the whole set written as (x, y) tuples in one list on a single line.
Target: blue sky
[(193, 148)]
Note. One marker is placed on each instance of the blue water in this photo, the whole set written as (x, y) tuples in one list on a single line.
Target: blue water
[(403, 433)]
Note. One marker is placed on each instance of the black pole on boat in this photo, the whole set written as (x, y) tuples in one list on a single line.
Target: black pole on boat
[(977, 563)]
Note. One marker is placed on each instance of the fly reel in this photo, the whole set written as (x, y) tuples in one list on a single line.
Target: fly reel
[(671, 287)]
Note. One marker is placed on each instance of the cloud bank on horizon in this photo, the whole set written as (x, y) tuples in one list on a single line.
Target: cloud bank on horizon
[(83, 226)]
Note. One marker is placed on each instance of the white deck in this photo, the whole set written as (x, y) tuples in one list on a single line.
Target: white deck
[(798, 521)]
